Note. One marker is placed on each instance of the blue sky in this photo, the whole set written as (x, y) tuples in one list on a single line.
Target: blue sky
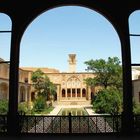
[(134, 24), (60, 31)]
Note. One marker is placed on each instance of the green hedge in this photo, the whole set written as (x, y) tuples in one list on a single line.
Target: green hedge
[(3, 106)]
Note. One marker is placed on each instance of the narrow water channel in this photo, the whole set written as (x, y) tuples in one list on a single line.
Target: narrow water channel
[(73, 111)]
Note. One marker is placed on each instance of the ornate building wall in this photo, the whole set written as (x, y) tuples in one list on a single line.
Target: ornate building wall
[(71, 88), (24, 85)]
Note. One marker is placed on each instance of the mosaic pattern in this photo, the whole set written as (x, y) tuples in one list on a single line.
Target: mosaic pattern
[(64, 125), (61, 124), (78, 124), (48, 124), (75, 124), (92, 125), (84, 125)]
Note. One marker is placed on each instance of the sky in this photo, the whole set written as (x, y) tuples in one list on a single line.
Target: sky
[(54, 34)]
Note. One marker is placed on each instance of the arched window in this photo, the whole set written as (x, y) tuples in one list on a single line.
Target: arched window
[(83, 92), (134, 28), (32, 96), (76, 27), (73, 92), (5, 37), (5, 44), (78, 92), (68, 92), (73, 82), (63, 93)]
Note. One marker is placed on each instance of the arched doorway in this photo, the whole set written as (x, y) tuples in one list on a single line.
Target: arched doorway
[(83, 92), (63, 93), (22, 96), (4, 91)]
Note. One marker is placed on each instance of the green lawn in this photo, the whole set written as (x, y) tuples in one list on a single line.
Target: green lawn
[(45, 111)]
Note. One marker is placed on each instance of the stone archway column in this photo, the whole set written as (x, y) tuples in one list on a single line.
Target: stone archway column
[(71, 93), (127, 115), (29, 102), (66, 93), (13, 117), (26, 93), (59, 93), (89, 93), (81, 93), (76, 92)]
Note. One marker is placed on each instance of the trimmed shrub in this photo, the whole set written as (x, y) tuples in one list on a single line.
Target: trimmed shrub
[(39, 104), (136, 108), (3, 106), (23, 107), (108, 101)]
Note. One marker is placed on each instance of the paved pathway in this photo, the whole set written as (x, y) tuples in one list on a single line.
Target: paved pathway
[(55, 111)]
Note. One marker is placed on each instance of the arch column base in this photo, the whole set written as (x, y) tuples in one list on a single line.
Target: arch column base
[(13, 124), (127, 123)]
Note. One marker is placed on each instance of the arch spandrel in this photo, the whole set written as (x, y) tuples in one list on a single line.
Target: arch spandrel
[(35, 8), (73, 78), (110, 9)]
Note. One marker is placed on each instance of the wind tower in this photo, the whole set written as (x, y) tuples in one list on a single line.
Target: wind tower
[(72, 63)]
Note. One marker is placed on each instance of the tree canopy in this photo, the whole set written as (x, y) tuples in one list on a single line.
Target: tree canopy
[(42, 84), (108, 101), (44, 88), (108, 73), (38, 80)]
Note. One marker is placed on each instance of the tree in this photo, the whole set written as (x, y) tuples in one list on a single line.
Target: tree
[(42, 83), (108, 73), (136, 107), (108, 101), (38, 80), (39, 104), (90, 82), (49, 88), (43, 86), (23, 107)]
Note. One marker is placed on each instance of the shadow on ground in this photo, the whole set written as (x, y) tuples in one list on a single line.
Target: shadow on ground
[(72, 137)]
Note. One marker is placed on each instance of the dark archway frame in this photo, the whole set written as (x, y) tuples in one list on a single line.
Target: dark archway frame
[(22, 13)]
